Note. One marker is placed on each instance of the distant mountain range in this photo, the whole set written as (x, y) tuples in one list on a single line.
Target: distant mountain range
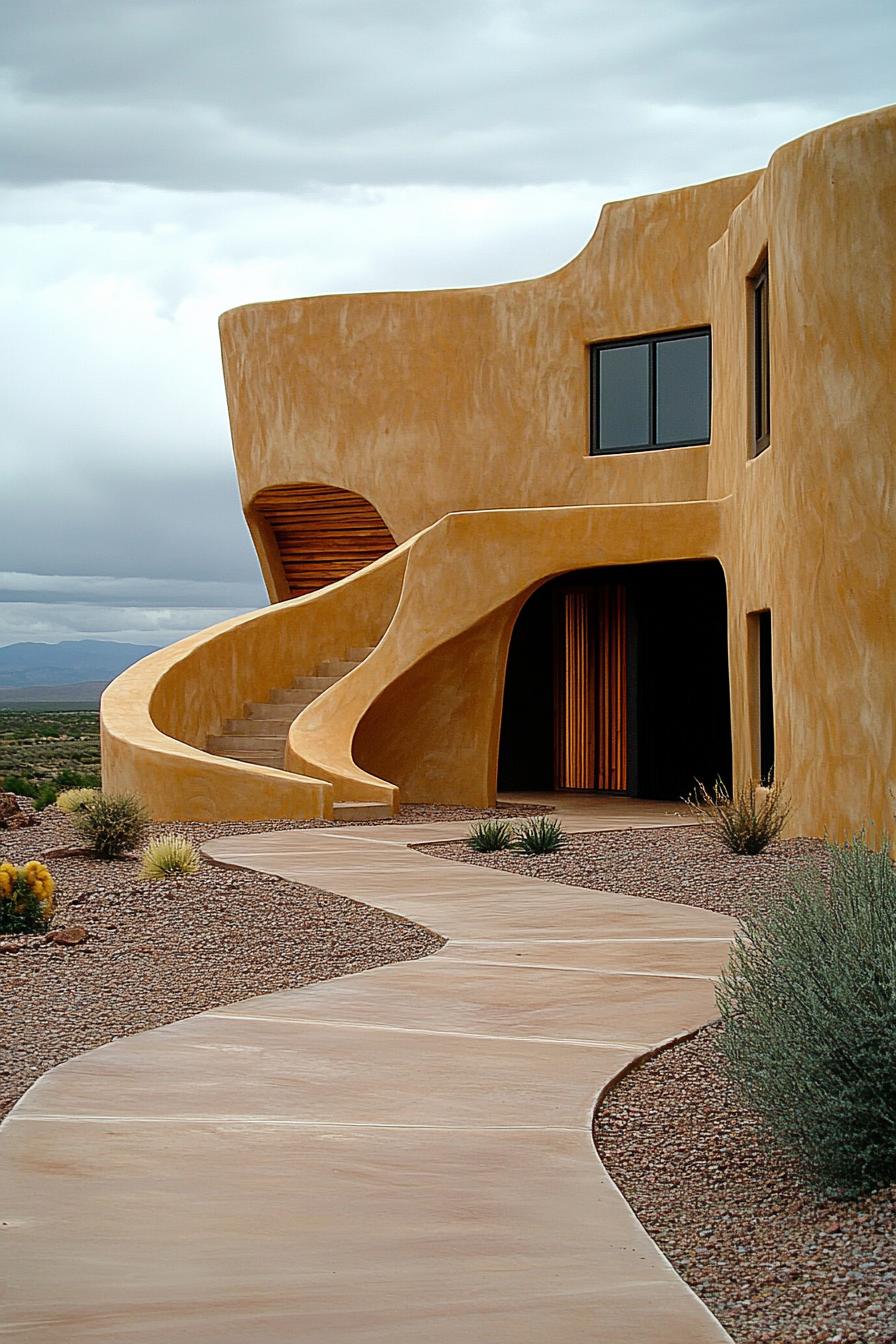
[(89, 664)]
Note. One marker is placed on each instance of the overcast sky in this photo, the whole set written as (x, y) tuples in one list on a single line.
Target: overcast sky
[(163, 160)]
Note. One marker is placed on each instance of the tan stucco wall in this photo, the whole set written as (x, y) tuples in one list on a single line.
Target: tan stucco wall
[(430, 403), (474, 404)]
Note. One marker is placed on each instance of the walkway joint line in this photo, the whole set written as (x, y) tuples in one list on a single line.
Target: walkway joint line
[(627, 1046), (579, 970), (287, 1122)]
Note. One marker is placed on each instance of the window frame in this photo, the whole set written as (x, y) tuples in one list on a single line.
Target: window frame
[(760, 356), (651, 341)]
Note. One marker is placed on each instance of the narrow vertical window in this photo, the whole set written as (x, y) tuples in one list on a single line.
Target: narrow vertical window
[(761, 362), (762, 695)]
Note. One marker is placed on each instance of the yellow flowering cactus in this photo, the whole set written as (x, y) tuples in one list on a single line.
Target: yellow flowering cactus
[(26, 897)]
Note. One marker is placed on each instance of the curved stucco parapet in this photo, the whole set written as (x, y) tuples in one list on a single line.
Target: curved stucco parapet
[(155, 718), (436, 727)]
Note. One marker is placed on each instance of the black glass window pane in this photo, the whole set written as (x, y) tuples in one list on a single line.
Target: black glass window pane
[(766, 707), (624, 397), (682, 390), (761, 360)]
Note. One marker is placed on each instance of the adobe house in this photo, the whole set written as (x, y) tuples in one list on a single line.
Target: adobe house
[(612, 529)]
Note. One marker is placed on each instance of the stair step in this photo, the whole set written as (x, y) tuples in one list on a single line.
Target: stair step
[(336, 667), (224, 744), (264, 725), (271, 709), (360, 811), (297, 695), (358, 655), (314, 683), (273, 759)]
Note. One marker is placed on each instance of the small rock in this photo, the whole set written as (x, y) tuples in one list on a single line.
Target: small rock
[(10, 947), (12, 818), (69, 937)]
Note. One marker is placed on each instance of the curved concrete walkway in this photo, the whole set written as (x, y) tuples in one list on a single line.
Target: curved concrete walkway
[(402, 1156)]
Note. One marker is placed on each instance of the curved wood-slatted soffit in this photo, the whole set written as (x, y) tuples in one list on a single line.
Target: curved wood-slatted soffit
[(323, 533)]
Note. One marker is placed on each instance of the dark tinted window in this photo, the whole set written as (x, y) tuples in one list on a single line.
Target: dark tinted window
[(761, 391), (766, 706), (625, 397), (650, 393), (682, 390)]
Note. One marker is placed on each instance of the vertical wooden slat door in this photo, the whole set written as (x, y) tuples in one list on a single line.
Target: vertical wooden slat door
[(574, 691), (612, 736), (590, 689)]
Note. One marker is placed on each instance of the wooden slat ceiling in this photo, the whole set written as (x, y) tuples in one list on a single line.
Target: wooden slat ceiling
[(323, 533)]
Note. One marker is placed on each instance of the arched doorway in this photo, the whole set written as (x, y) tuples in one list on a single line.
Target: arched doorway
[(617, 681)]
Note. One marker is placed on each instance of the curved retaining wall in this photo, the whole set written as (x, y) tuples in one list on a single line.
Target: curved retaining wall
[(155, 718)]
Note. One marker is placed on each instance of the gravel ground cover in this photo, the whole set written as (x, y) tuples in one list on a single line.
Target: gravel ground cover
[(686, 864), (157, 951), (775, 1262)]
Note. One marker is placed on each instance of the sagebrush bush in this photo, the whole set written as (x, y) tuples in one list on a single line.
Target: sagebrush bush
[(75, 800), (539, 835), (26, 897), (112, 824), (747, 822), (169, 855), (487, 836), (808, 1005)]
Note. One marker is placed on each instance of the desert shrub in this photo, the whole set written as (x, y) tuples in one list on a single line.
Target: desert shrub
[(75, 800), (169, 855), (539, 835), (745, 822), (26, 897), (808, 1006), (487, 836), (112, 824), (46, 794), (43, 791)]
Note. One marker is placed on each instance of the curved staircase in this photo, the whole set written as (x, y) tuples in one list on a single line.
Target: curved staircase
[(259, 738)]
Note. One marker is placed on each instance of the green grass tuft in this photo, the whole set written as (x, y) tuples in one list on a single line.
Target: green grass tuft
[(539, 835), (488, 836), (169, 856)]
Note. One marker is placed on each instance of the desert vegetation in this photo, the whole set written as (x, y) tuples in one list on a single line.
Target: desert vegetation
[(809, 1028), (534, 835), (747, 820), (45, 751)]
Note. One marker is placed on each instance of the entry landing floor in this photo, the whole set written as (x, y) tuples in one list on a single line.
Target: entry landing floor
[(401, 1156), (604, 811)]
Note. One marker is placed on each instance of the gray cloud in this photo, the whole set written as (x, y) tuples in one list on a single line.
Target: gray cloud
[(279, 95), (109, 592), (48, 622)]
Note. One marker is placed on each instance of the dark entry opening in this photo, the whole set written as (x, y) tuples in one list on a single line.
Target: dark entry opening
[(763, 653), (617, 681)]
